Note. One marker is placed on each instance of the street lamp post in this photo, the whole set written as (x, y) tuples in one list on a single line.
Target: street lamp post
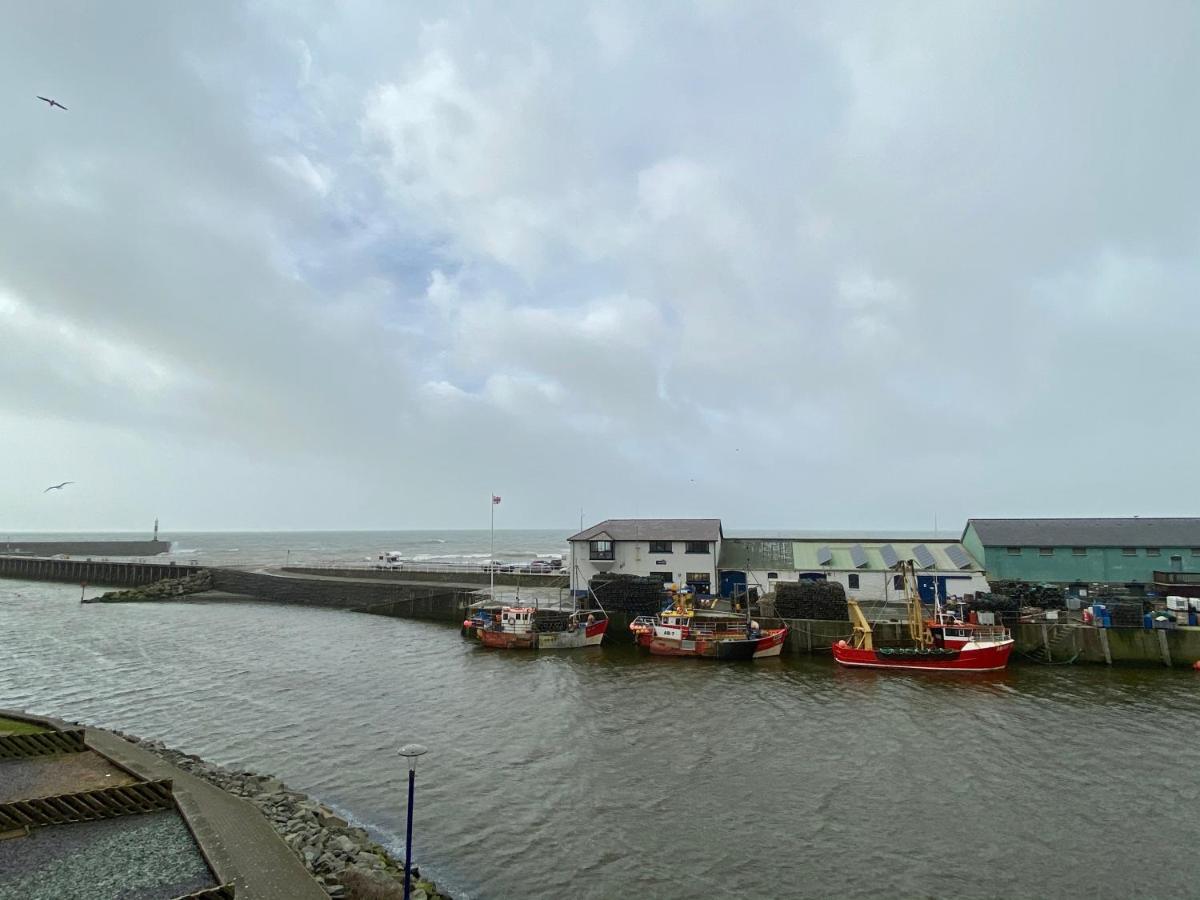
[(410, 752)]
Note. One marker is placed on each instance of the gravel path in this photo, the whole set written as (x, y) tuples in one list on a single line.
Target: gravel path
[(142, 857)]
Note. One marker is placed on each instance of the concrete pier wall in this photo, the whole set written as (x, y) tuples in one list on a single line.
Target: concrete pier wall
[(84, 548), (507, 579), (1055, 643), (435, 603), (99, 572)]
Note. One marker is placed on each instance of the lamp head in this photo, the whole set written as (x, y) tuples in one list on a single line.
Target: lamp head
[(411, 752)]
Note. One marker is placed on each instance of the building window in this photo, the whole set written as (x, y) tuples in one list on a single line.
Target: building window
[(1014, 551), (898, 582), (660, 546), (696, 547), (852, 578), (771, 575), (667, 577), (1129, 551), (1046, 551), (1153, 551), (1079, 551), (600, 550), (700, 582), (1196, 551)]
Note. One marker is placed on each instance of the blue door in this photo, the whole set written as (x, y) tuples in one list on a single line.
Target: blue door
[(925, 586), (731, 582), (944, 585)]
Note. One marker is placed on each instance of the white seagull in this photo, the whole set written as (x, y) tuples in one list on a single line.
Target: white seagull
[(53, 103), (57, 487)]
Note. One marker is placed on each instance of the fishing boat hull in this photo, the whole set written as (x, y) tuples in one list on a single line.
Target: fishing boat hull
[(966, 658), (769, 643), (589, 635)]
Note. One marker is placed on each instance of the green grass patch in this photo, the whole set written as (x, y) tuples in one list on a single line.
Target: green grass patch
[(14, 726)]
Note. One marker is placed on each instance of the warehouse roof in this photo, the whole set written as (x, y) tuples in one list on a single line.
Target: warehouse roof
[(1134, 532), (840, 555), (654, 530), (755, 553)]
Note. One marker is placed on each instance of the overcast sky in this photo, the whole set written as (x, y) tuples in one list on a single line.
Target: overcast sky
[(357, 265)]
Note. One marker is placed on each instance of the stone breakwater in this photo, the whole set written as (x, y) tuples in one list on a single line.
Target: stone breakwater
[(159, 590), (343, 858)]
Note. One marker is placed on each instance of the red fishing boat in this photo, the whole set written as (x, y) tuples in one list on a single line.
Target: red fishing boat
[(940, 644), (531, 628), (684, 630)]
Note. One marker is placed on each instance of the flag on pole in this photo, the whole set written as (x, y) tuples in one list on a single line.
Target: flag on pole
[(495, 499)]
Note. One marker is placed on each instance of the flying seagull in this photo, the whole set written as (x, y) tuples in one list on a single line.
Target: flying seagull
[(57, 487), (53, 103)]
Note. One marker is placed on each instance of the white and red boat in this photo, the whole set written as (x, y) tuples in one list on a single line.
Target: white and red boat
[(531, 628), (942, 644), (685, 631)]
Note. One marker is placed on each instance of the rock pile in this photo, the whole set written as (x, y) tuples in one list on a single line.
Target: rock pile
[(343, 859), (159, 590)]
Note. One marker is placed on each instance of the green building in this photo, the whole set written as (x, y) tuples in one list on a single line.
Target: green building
[(1082, 551)]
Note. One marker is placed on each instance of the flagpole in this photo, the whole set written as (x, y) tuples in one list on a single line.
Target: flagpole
[(492, 549)]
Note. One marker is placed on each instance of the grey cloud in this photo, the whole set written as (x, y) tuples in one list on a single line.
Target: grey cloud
[(303, 266)]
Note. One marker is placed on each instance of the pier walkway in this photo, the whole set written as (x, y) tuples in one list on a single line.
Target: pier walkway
[(235, 838)]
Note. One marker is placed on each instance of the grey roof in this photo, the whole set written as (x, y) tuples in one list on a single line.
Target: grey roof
[(756, 553), (1135, 532), (654, 530), (774, 554)]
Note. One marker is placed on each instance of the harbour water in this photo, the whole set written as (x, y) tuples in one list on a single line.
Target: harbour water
[(604, 773)]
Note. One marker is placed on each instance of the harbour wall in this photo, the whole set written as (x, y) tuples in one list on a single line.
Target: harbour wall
[(1038, 642), (85, 548), (445, 600), (506, 579), (433, 602), (99, 572), (411, 601)]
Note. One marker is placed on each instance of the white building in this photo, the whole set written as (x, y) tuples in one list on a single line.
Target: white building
[(865, 568), (676, 550)]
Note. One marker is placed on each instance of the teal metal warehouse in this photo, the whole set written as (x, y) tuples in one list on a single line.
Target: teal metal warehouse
[(1082, 551)]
